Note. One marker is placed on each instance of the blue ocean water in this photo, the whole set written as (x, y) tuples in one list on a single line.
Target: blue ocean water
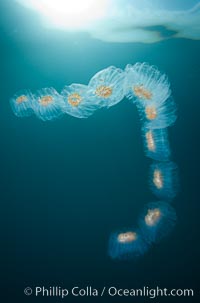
[(65, 185)]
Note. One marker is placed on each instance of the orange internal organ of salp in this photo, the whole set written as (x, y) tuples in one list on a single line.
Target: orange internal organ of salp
[(127, 237), (158, 178), (150, 141), (142, 93), (21, 99), (152, 217), (46, 100), (104, 91), (151, 112), (74, 99)]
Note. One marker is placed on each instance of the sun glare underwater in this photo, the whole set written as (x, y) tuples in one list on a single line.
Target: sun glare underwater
[(76, 14), (150, 91), (119, 20)]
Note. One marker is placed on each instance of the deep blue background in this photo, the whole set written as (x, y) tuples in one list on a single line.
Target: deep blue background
[(65, 185)]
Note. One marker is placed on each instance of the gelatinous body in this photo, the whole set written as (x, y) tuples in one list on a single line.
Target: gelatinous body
[(145, 84), (150, 91), (21, 103), (157, 221), (163, 179), (127, 244), (158, 115), (107, 86), (78, 101), (156, 143), (48, 104)]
